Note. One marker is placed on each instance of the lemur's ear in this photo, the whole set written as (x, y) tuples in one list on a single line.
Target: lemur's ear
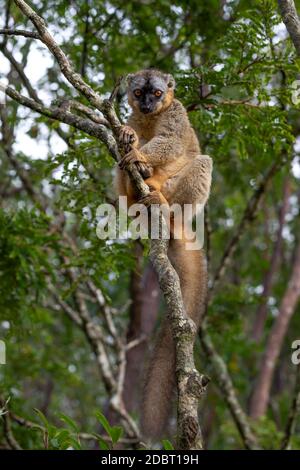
[(129, 78), (170, 80)]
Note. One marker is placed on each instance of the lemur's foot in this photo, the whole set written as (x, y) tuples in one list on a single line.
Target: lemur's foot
[(154, 197), (128, 137)]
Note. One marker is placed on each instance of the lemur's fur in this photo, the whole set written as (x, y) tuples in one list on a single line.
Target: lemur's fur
[(163, 145)]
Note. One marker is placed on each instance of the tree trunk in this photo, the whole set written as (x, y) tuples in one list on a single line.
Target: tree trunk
[(145, 296), (262, 311), (290, 18), (260, 397)]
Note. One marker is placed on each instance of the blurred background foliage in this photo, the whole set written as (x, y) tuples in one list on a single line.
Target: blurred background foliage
[(234, 66)]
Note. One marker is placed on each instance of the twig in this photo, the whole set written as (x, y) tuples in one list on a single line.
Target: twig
[(67, 105), (115, 90), (45, 36), (82, 435), (20, 70), (85, 125), (19, 32), (8, 433), (72, 314), (136, 342)]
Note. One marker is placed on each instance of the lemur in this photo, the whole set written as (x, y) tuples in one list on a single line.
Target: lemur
[(164, 147)]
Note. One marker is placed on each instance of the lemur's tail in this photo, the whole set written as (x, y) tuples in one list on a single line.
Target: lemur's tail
[(160, 385), (160, 381)]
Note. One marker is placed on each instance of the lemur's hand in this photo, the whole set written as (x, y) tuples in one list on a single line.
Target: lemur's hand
[(137, 158), (128, 138)]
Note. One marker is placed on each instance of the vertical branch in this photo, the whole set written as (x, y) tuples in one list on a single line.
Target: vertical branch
[(293, 414), (190, 384), (262, 311), (145, 297), (291, 20), (261, 394), (84, 54)]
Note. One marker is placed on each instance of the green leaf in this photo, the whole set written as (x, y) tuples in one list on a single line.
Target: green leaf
[(42, 418), (103, 444), (104, 422), (72, 442), (69, 421), (167, 445), (62, 436), (116, 433)]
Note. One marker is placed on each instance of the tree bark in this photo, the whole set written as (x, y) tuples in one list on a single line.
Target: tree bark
[(293, 414), (145, 296), (262, 311), (190, 383), (291, 20), (261, 394)]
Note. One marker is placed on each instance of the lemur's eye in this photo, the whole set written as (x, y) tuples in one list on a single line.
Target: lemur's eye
[(137, 92), (158, 93)]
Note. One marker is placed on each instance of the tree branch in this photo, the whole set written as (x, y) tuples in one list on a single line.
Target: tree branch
[(20, 70), (82, 435), (261, 393), (45, 36), (293, 414), (19, 32), (8, 433), (190, 383), (67, 105), (262, 311), (291, 20), (98, 131)]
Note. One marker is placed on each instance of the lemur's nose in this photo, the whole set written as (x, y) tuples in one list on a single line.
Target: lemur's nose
[(146, 109)]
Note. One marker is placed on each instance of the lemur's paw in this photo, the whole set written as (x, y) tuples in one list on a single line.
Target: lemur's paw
[(133, 157), (154, 197), (128, 137)]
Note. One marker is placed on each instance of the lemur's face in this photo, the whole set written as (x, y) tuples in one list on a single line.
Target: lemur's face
[(150, 91)]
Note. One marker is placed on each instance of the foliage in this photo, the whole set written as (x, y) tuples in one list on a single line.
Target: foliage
[(234, 67)]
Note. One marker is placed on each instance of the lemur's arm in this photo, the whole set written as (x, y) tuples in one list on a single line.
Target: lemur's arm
[(169, 143), (166, 146), (129, 138)]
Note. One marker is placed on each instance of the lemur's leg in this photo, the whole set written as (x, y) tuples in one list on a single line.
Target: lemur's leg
[(188, 258), (194, 185), (155, 183)]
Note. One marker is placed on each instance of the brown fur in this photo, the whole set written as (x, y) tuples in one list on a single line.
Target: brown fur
[(166, 141)]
